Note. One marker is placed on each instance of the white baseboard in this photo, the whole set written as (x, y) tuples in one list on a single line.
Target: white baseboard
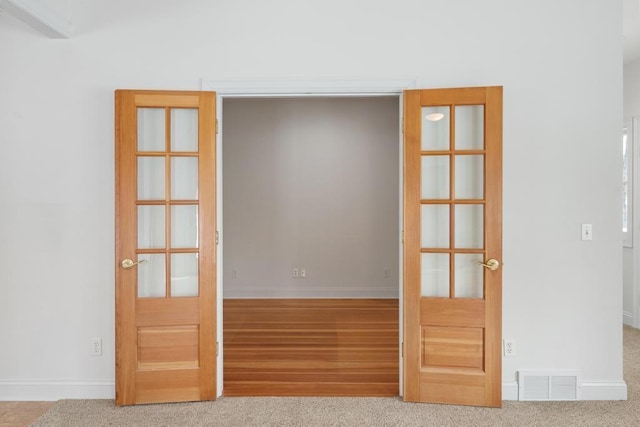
[(55, 390), (588, 390), (510, 390), (324, 292), (627, 318), (603, 391)]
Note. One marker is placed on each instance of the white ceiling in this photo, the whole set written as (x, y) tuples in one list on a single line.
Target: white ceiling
[(631, 29), (630, 20)]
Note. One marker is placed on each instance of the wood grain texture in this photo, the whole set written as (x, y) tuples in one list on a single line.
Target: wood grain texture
[(460, 347), (159, 347), (311, 347), (22, 414), (165, 347), (452, 312), (411, 251), (493, 239), (125, 288), (456, 339)]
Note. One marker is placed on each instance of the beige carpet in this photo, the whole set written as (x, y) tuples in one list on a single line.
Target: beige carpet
[(281, 411)]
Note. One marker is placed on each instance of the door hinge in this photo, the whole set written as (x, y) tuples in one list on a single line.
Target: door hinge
[(216, 126), (217, 348), (402, 350), (217, 237), (402, 236), (402, 124)]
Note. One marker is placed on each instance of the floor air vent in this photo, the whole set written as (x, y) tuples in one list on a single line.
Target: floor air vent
[(548, 385)]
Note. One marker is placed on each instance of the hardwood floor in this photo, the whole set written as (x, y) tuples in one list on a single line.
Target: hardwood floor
[(311, 347), (22, 414)]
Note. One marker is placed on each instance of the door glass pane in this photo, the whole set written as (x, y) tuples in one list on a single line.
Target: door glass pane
[(469, 276), (151, 276), (184, 178), (469, 230), (435, 226), (184, 275), (469, 127), (151, 178), (151, 227), (435, 275), (469, 177), (435, 177), (184, 226), (435, 128), (184, 129), (151, 129)]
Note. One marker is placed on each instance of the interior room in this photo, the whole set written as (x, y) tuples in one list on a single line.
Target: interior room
[(311, 192), (568, 79)]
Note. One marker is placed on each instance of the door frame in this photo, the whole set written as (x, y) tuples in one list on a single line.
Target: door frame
[(301, 89)]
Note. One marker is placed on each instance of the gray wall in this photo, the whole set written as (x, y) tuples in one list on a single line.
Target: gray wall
[(311, 183)]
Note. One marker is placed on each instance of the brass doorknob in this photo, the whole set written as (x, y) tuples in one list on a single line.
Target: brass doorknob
[(492, 264), (129, 263)]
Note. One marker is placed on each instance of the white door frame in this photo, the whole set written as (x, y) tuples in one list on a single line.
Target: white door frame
[(298, 89)]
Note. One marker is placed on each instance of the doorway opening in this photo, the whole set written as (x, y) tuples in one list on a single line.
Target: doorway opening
[(311, 255)]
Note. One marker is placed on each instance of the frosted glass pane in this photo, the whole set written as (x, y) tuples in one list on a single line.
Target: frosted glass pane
[(184, 226), (435, 275), (151, 178), (184, 275), (434, 226), (151, 227), (469, 127), (151, 276), (184, 178), (151, 129), (469, 276), (469, 177), (184, 129), (469, 228), (435, 128), (435, 177)]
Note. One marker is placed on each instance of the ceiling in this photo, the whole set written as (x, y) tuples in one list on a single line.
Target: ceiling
[(48, 20), (631, 29)]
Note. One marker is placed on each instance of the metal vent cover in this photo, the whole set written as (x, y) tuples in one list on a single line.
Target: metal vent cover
[(548, 385)]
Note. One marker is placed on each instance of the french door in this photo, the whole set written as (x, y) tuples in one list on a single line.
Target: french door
[(165, 246), (453, 246)]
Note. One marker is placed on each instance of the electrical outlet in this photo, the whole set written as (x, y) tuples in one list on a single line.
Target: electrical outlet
[(509, 348), (386, 273), (587, 231), (303, 273), (96, 347), (234, 273), (295, 272)]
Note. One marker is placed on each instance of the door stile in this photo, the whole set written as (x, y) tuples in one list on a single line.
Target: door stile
[(493, 239), (125, 292), (411, 318), (207, 236)]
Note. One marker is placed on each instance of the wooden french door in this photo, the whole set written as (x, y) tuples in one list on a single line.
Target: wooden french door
[(165, 246), (453, 246)]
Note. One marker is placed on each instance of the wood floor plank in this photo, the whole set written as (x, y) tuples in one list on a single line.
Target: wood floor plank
[(311, 347)]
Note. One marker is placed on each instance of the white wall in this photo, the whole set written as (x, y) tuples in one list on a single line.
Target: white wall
[(560, 62), (311, 184), (631, 256)]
